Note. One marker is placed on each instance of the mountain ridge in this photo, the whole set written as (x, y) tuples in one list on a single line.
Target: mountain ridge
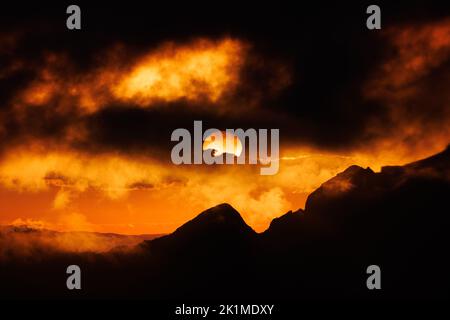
[(352, 177)]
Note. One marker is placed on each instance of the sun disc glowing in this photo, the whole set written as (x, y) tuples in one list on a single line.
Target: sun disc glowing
[(223, 142)]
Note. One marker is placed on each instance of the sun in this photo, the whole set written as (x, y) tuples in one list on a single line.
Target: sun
[(223, 142)]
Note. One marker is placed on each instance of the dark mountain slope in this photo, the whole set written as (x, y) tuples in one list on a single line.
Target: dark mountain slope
[(217, 228)]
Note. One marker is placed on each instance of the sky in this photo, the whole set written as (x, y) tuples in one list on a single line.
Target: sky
[(86, 115)]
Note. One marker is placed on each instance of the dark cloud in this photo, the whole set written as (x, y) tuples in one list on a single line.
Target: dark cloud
[(307, 72)]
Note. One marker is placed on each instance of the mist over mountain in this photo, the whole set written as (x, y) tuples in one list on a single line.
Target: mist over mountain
[(26, 241), (396, 219)]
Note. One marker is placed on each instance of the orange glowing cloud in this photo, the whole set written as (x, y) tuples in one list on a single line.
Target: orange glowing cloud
[(418, 51), (412, 86), (202, 70), (23, 240), (30, 170)]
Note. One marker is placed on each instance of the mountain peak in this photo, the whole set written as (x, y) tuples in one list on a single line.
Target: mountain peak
[(355, 171), (219, 226), (354, 177), (220, 215)]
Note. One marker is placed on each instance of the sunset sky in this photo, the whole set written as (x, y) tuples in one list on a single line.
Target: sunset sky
[(86, 116)]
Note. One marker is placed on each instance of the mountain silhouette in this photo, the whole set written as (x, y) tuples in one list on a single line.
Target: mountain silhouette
[(212, 234), (220, 223), (397, 218)]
